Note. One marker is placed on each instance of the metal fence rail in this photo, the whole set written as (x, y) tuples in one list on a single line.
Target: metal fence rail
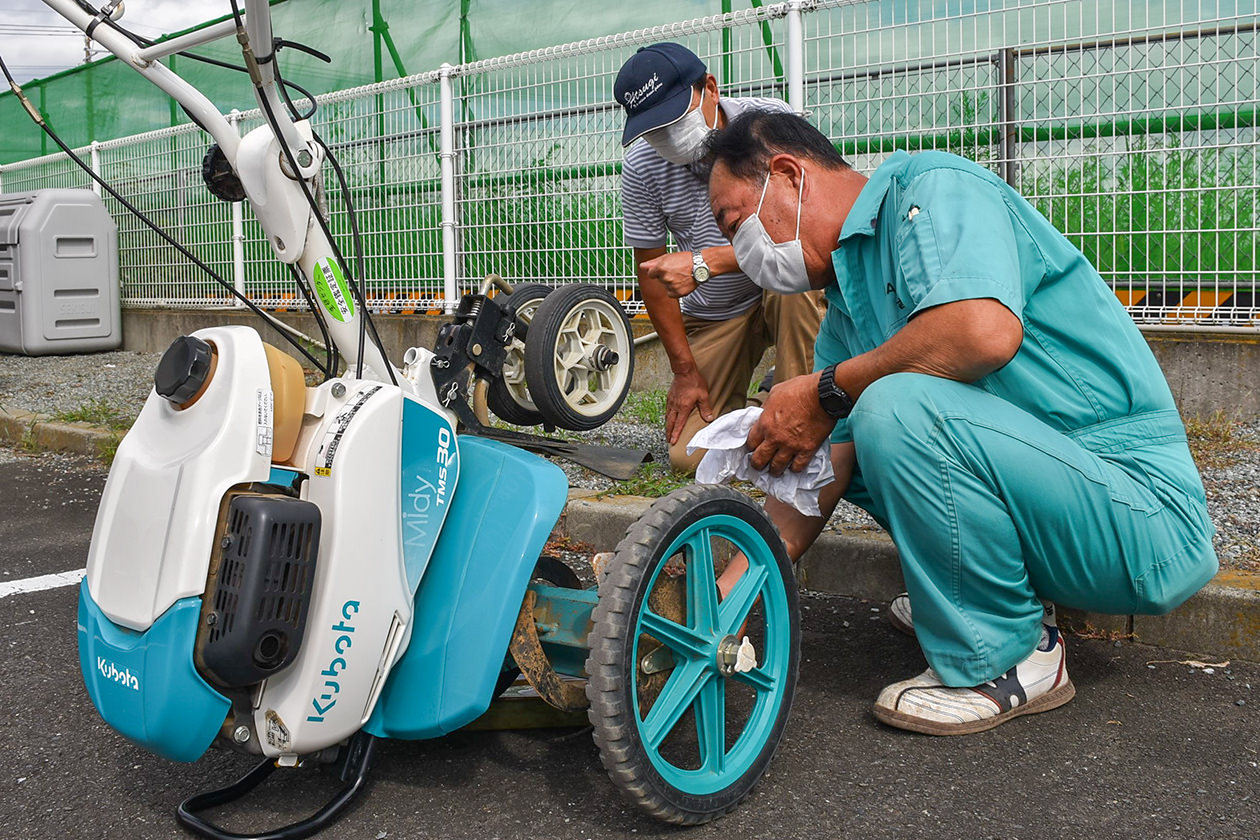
[(1132, 127)]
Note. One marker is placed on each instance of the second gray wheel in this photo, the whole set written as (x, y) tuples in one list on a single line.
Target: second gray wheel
[(579, 357), (508, 395)]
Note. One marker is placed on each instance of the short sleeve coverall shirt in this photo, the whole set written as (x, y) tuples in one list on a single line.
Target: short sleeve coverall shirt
[(1064, 475)]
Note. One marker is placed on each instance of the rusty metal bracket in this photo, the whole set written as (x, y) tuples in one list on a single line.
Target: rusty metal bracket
[(526, 649)]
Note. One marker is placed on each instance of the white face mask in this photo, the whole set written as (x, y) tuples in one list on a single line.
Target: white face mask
[(774, 266), (683, 142)]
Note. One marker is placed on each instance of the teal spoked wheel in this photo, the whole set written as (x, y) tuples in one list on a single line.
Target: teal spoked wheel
[(690, 691)]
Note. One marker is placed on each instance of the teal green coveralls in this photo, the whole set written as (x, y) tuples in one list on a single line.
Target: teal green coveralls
[(1064, 475)]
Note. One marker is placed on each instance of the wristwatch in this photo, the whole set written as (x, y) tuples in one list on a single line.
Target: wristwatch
[(833, 399), (699, 268)]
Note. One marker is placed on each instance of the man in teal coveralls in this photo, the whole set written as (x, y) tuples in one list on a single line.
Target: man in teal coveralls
[(988, 400)]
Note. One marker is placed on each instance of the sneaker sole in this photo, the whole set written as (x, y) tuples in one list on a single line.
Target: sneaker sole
[(1050, 700), (899, 625)]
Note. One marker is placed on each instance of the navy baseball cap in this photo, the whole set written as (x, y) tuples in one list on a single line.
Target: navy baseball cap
[(654, 87)]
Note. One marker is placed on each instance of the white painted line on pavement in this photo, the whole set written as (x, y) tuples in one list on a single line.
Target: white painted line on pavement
[(39, 584)]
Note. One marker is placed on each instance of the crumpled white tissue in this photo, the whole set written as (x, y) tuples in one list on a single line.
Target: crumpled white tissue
[(727, 458)]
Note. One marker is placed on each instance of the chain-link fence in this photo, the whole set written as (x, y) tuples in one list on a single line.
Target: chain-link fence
[(1132, 127)]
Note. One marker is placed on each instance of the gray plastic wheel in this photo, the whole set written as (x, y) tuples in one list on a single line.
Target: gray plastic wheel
[(579, 357), (508, 396)]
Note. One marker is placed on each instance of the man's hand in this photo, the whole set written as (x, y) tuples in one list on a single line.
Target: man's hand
[(791, 428), (689, 391), (672, 271)]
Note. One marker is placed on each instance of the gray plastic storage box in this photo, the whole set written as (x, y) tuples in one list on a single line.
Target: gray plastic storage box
[(58, 273)]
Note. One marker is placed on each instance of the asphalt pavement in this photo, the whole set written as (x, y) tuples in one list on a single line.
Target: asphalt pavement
[(1150, 748)]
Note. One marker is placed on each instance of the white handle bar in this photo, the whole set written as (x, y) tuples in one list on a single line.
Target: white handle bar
[(277, 199), (193, 100)]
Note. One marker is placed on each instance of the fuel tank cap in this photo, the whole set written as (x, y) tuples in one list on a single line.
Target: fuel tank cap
[(183, 369)]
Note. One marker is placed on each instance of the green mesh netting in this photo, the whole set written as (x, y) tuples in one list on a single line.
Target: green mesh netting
[(369, 41)]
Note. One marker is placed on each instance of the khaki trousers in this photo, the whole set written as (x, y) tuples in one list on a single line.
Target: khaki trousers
[(727, 353)]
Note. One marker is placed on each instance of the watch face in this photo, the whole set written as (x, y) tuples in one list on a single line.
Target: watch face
[(833, 399), (700, 274)]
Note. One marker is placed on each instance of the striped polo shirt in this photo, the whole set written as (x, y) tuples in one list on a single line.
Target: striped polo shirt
[(660, 198)]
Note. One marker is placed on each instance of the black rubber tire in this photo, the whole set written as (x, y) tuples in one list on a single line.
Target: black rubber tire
[(500, 398), (611, 669), (543, 344), (550, 570)]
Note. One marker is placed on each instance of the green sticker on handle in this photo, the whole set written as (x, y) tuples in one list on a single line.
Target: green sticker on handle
[(334, 294)]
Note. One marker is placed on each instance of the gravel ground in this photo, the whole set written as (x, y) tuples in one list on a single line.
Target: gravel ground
[(121, 380)]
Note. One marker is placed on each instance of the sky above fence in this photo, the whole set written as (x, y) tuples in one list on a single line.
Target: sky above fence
[(35, 41)]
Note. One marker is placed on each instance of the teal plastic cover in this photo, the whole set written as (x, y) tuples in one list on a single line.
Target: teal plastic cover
[(145, 685), (428, 472), (504, 507)]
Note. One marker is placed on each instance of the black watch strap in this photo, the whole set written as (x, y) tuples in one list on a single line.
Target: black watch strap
[(833, 399)]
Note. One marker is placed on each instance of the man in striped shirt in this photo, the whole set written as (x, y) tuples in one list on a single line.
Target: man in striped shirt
[(714, 322)]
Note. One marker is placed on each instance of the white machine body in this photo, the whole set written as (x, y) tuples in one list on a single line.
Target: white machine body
[(156, 523), (361, 605)]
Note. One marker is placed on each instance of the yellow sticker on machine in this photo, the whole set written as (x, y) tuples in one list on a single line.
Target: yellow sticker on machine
[(331, 288)]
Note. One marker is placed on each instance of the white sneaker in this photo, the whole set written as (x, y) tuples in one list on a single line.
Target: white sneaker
[(900, 615), (925, 704)]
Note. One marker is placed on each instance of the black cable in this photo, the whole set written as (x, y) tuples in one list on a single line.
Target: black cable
[(330, 349), (112, 24), (356, 293), (145, 219), (284, 86), (216, 62), (280, 43), (357, 238), (355, 288), (141, 41)]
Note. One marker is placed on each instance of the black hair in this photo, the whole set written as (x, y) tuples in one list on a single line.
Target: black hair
[(752, 138)]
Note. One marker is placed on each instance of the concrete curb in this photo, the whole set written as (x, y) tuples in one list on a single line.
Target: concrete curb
[(34, 431), (1222, 621)]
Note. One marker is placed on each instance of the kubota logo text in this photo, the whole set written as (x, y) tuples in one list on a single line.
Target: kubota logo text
[(338, 664), (110, 672)]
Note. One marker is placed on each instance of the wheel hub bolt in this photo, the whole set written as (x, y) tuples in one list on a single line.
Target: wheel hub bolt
[(735, 657), (603, 358)]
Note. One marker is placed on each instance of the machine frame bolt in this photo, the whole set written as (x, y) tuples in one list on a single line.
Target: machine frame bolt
[(338, 389), (241, 735)]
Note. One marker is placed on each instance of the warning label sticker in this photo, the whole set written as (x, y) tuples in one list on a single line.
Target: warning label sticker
[(334, 294), (337, 428), (277, 733), (266, 408)]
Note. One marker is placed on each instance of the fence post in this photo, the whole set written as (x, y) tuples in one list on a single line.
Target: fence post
[(447, 154), (238, 232), (1009, 165), (795, 58), (94, 160)]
